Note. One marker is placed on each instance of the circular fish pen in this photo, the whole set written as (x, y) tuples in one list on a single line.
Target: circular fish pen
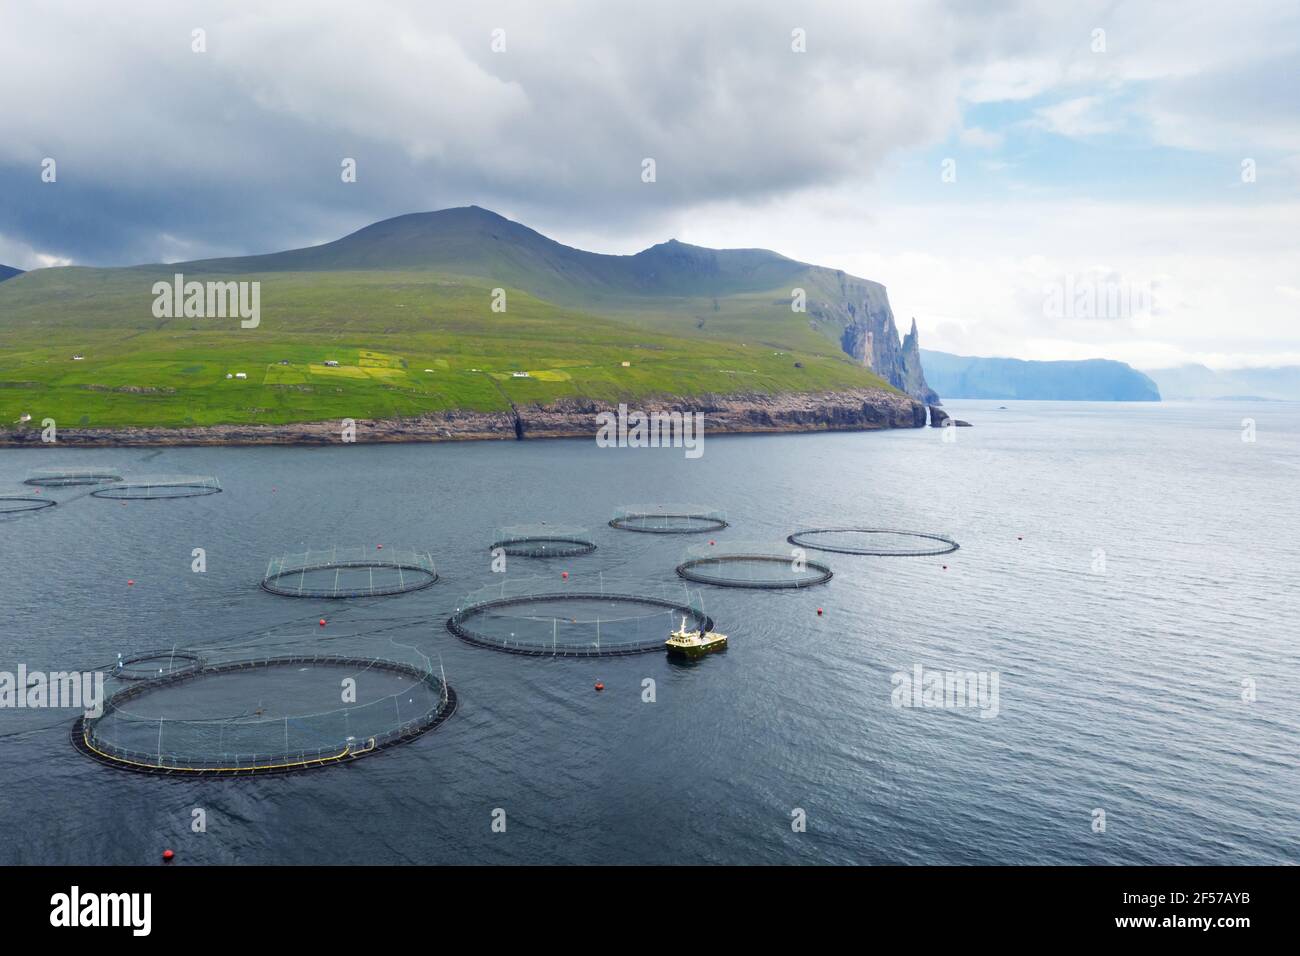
[(668, 519), (559, 619), (265, 715), (149, 665), (351, 572), (160, 486), (71, 477), (542, 541), (759, 565), (875, 541), (21, 504)]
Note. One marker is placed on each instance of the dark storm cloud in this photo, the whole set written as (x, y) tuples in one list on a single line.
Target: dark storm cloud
[(163, 152)]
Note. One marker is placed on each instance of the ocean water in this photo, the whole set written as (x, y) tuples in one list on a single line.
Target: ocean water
[(1126, 572)]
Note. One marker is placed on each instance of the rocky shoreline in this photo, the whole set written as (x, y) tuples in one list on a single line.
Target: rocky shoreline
[(854, 410)]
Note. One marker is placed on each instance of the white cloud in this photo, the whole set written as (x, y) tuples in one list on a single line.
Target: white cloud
[(981, 138), (20, 255), (1077, 118)]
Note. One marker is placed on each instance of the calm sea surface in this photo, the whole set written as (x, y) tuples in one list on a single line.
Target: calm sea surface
[(1127, 572)]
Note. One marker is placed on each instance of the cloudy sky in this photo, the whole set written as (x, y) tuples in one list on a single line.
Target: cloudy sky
[(1040, 180)]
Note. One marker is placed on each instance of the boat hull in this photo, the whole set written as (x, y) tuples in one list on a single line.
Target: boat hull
[(696, 651)]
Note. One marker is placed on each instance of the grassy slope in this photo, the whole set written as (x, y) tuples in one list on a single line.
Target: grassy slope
[(386, 328)]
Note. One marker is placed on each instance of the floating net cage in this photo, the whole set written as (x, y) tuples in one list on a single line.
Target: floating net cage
[(70, 477), (147, 665), (571, 617), (21, 504), (874, 541), (355, 571), (266, 713), (668, 519), (350, 572), (752, 564), (542, 541), (160, 486)]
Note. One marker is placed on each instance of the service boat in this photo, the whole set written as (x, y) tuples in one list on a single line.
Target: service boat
[(694, 643)]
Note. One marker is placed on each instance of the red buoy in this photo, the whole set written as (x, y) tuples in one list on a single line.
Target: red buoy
[(599, 686), (945, 567), (819, 612), (712, 543), (379, 547), (322, 622), (564, 575), (1020, 537), (167, 855), (130, 583)]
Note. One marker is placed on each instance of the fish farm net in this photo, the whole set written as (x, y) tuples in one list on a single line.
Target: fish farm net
[(160, 663), (70, 477), (668, 519), (20, 504), (763, 565), (160, 486), (542, 541), (874, 541), (350, 572), (571, 618), (265, 715)]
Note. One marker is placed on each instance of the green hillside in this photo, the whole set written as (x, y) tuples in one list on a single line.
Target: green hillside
[(673, 287), (404, 307)]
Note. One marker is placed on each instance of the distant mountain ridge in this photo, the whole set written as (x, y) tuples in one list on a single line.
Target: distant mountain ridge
[(1091, 380), (8, 272), (473, 241), (1197, 382)]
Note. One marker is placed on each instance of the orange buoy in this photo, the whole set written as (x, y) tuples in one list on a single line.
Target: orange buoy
[(599, 686), (167, 855), (322, 622)]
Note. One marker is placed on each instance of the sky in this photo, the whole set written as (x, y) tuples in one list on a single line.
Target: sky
[(1036, 180)]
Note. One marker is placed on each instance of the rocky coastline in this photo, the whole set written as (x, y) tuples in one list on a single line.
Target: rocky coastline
[(850, 410)]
